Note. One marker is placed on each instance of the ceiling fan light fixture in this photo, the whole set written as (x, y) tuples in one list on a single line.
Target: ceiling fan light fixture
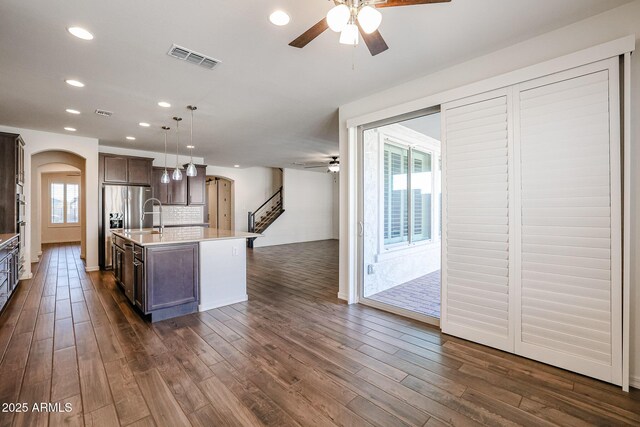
[(349, 35), (334, 168), (338, 17), (369, 19)]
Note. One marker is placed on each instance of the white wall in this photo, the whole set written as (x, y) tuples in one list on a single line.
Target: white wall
[(599, 29), (308, 204), (87, 148), (308, 198)]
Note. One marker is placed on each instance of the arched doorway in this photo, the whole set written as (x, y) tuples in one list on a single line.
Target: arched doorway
[(220, 202), (58, 188)]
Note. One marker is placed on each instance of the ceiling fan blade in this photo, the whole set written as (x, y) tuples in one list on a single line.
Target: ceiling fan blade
[(374, 41), (310, 34), (394, 3), (319, 166)]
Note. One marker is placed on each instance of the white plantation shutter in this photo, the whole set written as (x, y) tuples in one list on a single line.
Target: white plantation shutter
[(532, 220), (475, 272), (570, 234)]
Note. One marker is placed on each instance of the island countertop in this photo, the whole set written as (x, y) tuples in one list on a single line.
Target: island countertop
[(148, 236)]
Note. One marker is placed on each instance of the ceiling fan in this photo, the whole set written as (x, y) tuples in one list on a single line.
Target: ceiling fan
[(333, 166), (353, 17)]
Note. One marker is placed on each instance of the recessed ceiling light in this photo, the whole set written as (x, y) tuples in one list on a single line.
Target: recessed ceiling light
[(80, 33), (279, 18), (144, 125), (70, 129), (236, 166), (190, 146), (72, 111), (164, 104), (74, 83), (131, 138)]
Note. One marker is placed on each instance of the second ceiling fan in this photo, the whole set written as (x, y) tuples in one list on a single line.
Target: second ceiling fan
[(354, 17)]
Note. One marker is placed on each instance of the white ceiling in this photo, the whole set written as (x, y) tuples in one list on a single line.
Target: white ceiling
[(268, 104)]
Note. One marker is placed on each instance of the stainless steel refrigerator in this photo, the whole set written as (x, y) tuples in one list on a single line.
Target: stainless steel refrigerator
[(122, 209)]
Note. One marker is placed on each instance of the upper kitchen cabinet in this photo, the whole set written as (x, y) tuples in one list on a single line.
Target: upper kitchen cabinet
[(139, 170), (125, 170), (160, 190), (173, 193), (197, 187)]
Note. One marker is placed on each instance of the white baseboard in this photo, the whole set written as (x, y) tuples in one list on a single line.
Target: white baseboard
[(343, 296), (634, 381), (94, 268), (222, 303)]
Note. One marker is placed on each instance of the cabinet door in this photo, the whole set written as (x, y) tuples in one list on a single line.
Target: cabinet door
[(115, 169), (139, 171), (139, 285), (196, 184), (178, 194), (160, 190), (172, 275)]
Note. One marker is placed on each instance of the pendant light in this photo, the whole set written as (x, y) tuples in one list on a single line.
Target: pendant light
[(165, 175), (191, 168), (177, 173)]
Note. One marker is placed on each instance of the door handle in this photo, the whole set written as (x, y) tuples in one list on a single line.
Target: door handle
[(360, 228)]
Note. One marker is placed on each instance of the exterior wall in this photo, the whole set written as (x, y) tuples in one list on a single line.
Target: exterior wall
[(391, 267)]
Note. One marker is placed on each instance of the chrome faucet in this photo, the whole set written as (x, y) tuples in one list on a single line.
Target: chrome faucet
[(152, 212)]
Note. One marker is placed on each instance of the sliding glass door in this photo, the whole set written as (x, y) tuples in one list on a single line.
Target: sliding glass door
[(400, 216)]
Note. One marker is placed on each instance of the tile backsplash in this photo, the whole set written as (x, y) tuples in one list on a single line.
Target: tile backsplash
[(179, 215)]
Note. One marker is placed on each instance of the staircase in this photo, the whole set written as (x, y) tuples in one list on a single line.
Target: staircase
[(260, 219)]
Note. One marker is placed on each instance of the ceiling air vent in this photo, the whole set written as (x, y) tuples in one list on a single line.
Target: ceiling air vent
[(193, 57), (104, 113)]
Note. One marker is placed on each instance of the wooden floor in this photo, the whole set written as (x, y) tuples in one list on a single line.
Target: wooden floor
[(292, 355)]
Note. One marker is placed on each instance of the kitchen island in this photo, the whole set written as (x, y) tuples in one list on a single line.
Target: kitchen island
[(181, 270)]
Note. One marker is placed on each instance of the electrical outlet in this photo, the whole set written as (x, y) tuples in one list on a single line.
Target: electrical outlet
[(371, 269)]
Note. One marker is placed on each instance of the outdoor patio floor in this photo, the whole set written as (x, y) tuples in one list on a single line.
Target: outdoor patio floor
[(421, 295)]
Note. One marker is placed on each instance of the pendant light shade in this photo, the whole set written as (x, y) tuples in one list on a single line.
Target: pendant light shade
[(164, 179), (191, 168), (177, 173)]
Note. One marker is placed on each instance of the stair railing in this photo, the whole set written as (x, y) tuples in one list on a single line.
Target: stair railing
[(255, 216)]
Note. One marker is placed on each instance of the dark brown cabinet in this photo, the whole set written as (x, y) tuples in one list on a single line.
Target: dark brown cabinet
[(171, 275), (9, 269), (178, 192), (197, 186), (139, 171), (160, 190), (125, 170), (115, 169), (11, 182), (173, 193)]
